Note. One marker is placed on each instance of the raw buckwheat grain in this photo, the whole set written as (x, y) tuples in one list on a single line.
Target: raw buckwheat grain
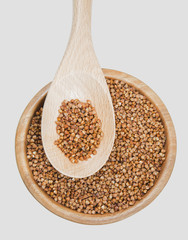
[(79, 130), (133, 166)]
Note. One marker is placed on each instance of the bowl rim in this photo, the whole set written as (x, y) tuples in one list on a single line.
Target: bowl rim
[(72, 215)]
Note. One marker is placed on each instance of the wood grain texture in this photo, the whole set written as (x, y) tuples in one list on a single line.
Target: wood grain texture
[(69, 214), (79, 77)]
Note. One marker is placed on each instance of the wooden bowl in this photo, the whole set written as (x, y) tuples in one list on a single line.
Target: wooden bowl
[(72, 215)]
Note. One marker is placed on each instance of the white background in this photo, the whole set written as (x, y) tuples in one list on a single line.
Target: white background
[(145, 38)]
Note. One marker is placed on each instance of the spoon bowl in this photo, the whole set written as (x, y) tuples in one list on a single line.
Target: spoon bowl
[(81, 90)]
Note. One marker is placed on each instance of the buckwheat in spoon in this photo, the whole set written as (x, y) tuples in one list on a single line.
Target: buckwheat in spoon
[(78, 124)]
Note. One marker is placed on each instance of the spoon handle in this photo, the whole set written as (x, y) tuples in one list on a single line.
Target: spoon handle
[(80, 54), (82, 17)]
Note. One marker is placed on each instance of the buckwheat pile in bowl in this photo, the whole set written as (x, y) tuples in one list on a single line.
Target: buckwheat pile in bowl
[(131, 170)]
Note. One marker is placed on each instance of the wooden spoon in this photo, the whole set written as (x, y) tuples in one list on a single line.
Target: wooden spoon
[(79, 77)]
